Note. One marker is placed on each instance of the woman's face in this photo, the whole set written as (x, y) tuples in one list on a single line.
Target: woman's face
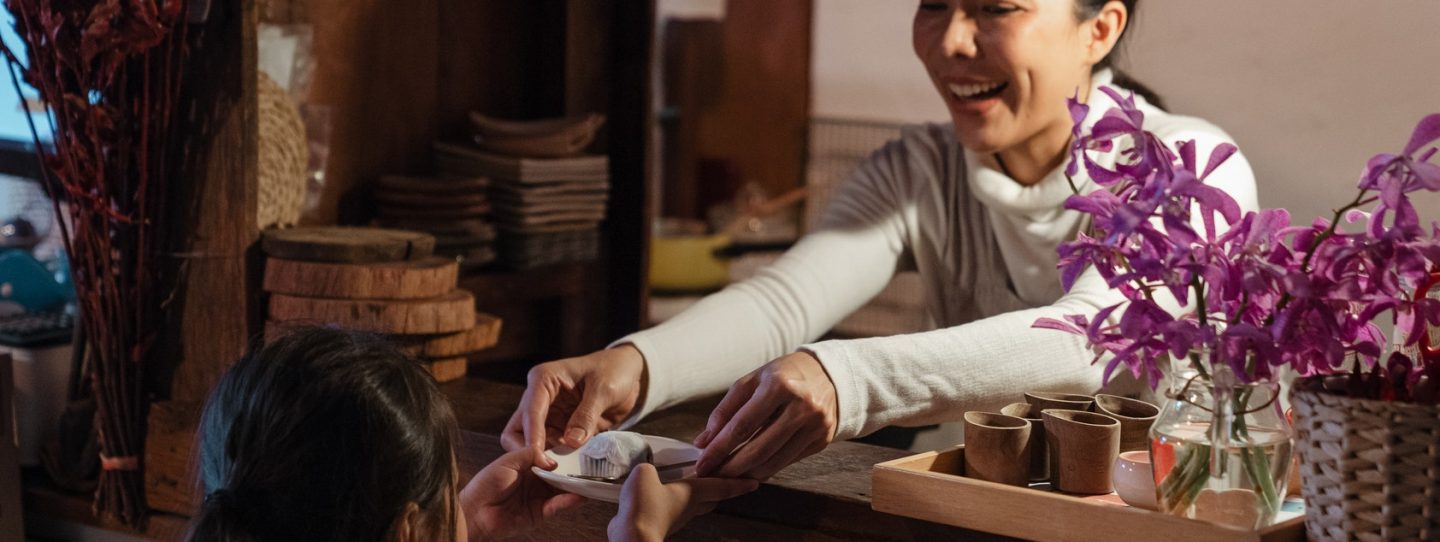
[(1004, 67)]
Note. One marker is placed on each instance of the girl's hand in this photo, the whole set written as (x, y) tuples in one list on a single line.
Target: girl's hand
[(506, 498), (780, 413), (650, 510)]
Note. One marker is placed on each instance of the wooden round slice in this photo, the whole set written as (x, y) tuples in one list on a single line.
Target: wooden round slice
[(449, 313), (347, 245), (417, 279), (485, 334), (446, 370)]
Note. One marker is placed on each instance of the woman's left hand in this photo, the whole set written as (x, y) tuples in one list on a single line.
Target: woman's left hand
[(785, 410), (506, 498)]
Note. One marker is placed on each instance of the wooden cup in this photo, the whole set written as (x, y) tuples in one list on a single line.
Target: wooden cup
[(1083, 447), (1060, 401), (997, 448), (1135, 418), (1039, 452)]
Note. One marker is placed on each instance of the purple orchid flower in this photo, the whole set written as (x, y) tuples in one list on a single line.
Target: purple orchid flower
[(1275, 295)]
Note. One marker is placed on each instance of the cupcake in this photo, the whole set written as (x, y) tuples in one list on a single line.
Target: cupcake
[(613, 453)]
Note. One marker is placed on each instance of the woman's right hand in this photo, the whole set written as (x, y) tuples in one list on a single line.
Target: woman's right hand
[(650, 510), (570, 400)]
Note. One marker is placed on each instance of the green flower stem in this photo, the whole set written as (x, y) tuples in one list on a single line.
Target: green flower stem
[(1187, 478), (1199, 288), (1192, 470), (1253, 457)]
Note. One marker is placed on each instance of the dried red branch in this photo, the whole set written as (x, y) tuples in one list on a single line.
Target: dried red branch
[(109, 72)]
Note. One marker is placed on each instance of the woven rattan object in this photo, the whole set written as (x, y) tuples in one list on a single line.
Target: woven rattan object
[(284, 156), (1370, 469)]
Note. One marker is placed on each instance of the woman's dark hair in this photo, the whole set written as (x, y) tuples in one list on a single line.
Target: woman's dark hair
[(1087, 9), (325, 435)]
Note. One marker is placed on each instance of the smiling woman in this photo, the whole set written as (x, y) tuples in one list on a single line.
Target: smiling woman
[(974, 205), (1005, 68)]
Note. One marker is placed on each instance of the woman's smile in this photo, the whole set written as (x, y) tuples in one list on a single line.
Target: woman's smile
[(1006, 67), (976, 97)]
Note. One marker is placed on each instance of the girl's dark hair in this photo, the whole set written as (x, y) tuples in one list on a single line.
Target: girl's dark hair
[(325, 435), (1087, 9)]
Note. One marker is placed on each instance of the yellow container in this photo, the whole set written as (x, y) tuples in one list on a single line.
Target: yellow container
[(688, 262)]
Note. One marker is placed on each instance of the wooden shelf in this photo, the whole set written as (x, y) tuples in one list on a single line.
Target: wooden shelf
[(398, 75)]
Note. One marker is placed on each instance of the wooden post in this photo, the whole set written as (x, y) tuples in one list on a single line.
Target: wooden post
[(216, 306), (607, 68), (216, 309)]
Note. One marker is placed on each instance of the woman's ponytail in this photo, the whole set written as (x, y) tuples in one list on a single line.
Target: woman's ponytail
[(1087, 9), (1123, 80)]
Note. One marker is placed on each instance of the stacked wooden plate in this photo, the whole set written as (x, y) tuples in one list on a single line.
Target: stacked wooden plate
[(456, 210), (547, 198), (377, 280)]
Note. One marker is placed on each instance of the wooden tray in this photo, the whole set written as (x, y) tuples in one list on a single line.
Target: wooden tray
[(929, 486)]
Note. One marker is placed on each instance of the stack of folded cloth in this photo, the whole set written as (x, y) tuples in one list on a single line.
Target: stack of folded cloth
[(546, 197), (455, 209)]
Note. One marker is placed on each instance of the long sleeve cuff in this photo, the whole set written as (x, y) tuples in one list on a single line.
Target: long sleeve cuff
[(850, 395), (657, 380)]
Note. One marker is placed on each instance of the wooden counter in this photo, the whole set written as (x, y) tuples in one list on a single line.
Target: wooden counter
[(823, 497)]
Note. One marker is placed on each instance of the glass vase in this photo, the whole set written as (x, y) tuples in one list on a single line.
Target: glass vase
[(1221, 449)]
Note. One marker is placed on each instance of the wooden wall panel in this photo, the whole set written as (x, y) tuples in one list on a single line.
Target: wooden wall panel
[(692, 60), (376, 66), (759, 122), (497, 59), (743, 104)]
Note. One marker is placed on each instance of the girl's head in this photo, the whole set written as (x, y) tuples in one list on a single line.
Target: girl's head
[(1005, 67), (327, 435)]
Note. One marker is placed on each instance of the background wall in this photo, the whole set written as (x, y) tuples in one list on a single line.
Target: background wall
[(863, 67), (1310, 89)]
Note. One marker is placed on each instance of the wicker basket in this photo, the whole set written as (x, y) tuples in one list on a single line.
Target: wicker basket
[(1370, 469), (284, 157)]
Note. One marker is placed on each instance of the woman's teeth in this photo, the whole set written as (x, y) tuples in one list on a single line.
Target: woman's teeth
[(966, 92)]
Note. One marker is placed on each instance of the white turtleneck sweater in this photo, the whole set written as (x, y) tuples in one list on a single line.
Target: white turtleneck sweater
[(984, 246)]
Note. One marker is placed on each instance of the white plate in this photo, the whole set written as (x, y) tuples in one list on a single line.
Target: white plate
[(668, 451)]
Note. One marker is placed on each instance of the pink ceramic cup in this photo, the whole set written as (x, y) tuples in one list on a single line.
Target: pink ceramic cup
[(1134, 480)]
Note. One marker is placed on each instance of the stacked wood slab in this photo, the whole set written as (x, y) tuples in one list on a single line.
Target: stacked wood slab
[(548, 210), (454, 209), (377, 280)]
